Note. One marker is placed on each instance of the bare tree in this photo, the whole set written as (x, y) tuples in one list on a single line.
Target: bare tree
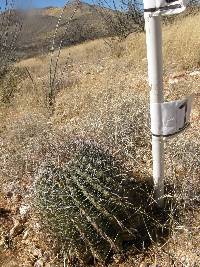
[(56, 52), (122, 17), (10, 27)]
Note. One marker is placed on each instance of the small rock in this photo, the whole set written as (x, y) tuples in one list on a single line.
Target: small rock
[(37, 227), (23, 210), (39, 263), (37, 253)]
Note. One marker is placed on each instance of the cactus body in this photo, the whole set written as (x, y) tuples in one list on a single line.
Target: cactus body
[(85, 202)]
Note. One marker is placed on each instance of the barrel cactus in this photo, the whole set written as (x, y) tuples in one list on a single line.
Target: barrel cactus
[(88, 201)]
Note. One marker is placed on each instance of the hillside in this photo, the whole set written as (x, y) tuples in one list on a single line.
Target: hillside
[(101, 95), (39, 25)]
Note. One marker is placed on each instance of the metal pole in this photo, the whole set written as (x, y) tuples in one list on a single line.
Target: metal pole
[(155, 72)]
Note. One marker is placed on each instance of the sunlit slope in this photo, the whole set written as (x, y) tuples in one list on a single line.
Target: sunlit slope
[(93, 65)]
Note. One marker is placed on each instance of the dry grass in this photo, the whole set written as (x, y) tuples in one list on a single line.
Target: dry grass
[(182, 44), (103, 95)]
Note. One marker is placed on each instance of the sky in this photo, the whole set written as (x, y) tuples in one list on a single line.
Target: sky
[(46, 3), (43, 3), (38, 3)]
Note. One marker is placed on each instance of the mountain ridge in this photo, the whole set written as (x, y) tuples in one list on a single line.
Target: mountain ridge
[(39, 26)]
